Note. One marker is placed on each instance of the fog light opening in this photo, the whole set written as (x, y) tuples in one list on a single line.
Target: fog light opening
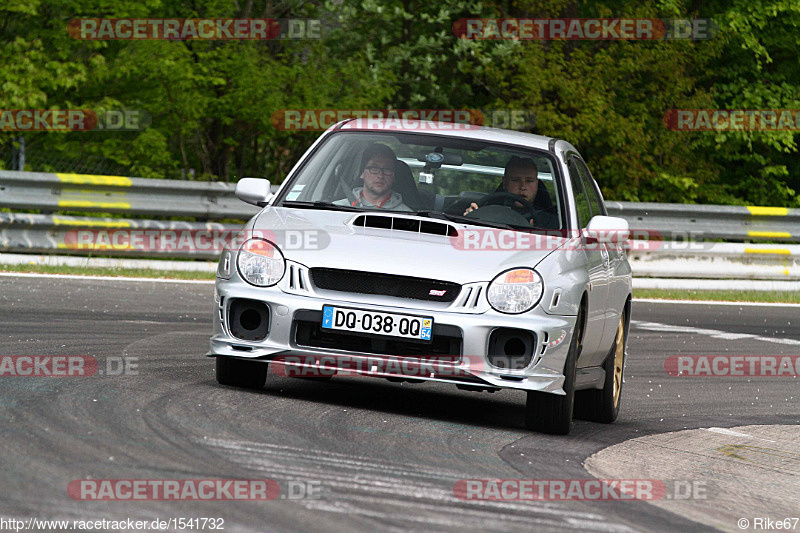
[(250, 319), (514, 347), (511, 348)]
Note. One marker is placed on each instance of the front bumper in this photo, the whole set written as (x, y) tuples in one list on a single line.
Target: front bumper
[(552, 334)]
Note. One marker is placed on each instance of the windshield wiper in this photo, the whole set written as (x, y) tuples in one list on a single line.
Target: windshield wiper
[(466, 220), (319, 205)]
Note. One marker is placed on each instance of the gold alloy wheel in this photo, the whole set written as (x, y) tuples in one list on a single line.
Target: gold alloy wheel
[(619, 356)]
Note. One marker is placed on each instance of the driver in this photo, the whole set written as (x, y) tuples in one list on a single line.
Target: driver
[(378, 165), (521, 178)]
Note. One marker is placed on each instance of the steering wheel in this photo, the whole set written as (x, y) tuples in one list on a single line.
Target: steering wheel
[(507, 199)]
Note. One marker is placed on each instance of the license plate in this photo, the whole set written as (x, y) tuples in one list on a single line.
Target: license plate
[(377, 323)]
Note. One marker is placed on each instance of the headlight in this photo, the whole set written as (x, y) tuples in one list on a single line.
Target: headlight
[(260, 263), (515, 291)]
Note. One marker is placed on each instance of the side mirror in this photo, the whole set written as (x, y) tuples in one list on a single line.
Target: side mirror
[(254, 191), (608, 229)]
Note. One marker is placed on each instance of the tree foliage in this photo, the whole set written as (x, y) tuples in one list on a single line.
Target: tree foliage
[(211, 103)]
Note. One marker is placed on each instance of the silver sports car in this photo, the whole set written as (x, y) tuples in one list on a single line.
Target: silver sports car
[(422, 251)]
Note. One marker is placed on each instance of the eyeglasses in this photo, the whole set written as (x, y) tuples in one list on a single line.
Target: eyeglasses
[(388, 172)]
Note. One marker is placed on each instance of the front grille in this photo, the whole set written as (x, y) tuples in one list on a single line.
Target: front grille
[(384, 284), (308, 332)]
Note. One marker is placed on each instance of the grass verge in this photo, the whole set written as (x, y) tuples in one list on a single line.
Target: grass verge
[(792, 297), (108, 271)]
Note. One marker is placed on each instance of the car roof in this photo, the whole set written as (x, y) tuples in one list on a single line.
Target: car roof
[(448, 129)]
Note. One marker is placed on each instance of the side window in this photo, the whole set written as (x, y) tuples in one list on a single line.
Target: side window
[(581, 201), (595, 200)]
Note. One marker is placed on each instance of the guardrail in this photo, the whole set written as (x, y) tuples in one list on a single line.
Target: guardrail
[(54, 234), (212, 201), (696, 222), (49, 233), (116, 194), (720, 260)]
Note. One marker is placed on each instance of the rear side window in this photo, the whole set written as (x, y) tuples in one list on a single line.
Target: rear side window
[(595, 200), (581, 200)]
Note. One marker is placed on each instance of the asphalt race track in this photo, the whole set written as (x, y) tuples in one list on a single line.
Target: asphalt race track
[(377, 455)]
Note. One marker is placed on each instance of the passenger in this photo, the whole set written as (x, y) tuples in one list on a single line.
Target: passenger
[(378, 165)]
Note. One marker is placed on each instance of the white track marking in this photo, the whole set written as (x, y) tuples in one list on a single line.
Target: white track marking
[(713, 333), (712, 302), (734, 433), (100, 278)]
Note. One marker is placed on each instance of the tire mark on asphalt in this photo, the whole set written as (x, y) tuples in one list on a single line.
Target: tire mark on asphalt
[(397, 492)]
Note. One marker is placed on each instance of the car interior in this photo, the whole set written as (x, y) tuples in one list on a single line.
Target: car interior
[(428, 178)]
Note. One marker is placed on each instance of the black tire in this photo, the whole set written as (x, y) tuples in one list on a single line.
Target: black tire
[(602, 405), (241, 372), (552, 413)]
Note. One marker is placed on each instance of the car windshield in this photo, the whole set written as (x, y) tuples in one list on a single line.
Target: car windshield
[(459, 179)]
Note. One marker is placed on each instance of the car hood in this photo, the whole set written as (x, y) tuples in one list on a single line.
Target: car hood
[(321, 238)]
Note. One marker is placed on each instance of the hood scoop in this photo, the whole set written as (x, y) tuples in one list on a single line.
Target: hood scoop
[(412, 225)]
